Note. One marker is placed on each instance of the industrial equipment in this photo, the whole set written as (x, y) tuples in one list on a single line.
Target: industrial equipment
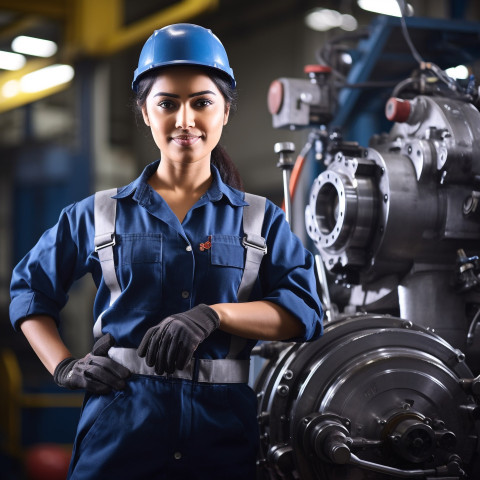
[(391, 389)]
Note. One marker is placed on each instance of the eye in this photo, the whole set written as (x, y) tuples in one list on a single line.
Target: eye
[(166, 104), (203, 102)]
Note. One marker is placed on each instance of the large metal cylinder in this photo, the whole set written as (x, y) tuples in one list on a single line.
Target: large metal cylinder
[(376, 398)]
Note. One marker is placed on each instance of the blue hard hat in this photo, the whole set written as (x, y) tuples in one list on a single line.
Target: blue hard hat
[(182, 44)]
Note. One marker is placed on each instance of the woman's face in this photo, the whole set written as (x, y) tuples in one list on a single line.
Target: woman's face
[(186, 113)]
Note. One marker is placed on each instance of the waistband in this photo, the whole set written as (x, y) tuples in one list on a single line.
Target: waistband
[(223, 370)]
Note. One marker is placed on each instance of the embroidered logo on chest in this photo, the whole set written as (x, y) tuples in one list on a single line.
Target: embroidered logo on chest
[(207, 245)]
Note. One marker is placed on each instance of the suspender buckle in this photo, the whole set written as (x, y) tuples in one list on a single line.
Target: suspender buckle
[(105, 244), (255, 241)]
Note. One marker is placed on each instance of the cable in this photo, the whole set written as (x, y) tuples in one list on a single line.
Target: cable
[(473, 325), (450, 82), (403, 7)]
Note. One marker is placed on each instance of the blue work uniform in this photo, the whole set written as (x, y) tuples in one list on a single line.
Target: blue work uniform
[(158, 427)]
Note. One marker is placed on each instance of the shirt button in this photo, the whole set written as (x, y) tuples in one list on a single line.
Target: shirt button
[(185, 294), (177, 455), (189, 248)]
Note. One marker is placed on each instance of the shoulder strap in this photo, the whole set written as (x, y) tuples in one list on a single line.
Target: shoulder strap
[(254, 243), (105, 211), (256, 248)]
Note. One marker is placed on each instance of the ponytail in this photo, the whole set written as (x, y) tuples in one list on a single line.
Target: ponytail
[(227, 169)]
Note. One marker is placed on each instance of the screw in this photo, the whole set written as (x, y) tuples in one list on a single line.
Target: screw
[(283, 390)]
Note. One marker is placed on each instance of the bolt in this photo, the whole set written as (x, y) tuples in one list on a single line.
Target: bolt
[(283, 390), (460, 356)]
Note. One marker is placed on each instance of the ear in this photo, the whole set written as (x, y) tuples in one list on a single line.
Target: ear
[(227, 113), (145, 116)]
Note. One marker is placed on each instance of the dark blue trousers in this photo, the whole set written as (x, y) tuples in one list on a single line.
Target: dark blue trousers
[(167, 429)]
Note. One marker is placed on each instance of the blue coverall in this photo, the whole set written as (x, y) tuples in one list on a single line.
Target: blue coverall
[(159, 428)]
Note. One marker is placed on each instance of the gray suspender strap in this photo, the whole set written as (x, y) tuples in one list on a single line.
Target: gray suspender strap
[(105, 214), (254, 243), (256, 248)]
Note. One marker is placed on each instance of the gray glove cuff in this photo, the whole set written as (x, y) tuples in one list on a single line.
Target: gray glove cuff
[(62, 370), (210, 315)]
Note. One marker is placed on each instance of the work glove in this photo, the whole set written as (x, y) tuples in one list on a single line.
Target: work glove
[(170, 345), (96, 372)]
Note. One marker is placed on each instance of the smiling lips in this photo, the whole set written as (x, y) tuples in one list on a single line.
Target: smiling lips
[(185, 140)]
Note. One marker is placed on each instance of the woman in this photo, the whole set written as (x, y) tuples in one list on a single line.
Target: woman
[(185, 284)]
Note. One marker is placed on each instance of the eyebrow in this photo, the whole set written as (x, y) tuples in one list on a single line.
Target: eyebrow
[(174, 95)]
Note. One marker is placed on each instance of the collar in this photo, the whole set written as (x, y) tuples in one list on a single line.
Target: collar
[(218, 189)]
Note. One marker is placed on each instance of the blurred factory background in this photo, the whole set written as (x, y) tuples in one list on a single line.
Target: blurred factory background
[(67, 129)]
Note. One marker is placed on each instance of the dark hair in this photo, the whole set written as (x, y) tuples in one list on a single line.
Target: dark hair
[(220, 158)]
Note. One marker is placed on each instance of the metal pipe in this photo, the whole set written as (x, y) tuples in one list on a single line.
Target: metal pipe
[(396, 472), (286, 195), (284, 150)]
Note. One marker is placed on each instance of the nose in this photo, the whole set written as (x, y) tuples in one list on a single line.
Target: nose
[(185, 117)]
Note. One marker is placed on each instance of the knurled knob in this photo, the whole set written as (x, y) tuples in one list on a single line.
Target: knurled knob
[(397, 110)]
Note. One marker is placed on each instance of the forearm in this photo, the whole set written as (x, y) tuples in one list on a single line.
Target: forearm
[(261, 320), (42, 334)]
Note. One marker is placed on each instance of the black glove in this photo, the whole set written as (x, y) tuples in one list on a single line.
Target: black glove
[(96, 372), (169, 346)]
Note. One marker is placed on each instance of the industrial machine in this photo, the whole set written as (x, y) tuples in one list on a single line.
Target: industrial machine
[(392, 388)]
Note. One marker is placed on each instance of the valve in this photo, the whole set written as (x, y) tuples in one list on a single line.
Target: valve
[(328, 437), (465, 276)]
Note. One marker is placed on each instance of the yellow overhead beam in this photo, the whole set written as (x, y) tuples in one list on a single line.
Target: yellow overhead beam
[(9, 81), (99, 29), (22, 98)]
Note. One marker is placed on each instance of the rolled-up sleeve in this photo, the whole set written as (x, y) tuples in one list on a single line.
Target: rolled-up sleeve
[(287, 274), (41, 280)]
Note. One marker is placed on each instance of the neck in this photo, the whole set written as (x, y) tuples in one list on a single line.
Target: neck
[(190, 178)]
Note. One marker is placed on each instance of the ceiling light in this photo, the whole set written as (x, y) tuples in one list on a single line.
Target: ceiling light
[(346, 58), (460, 72), (11, 61), (34, 46), (323, 19), (47, 77), (385, 7)]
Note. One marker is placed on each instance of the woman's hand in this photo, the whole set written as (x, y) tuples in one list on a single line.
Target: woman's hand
[(170, 345), (96, 372)]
